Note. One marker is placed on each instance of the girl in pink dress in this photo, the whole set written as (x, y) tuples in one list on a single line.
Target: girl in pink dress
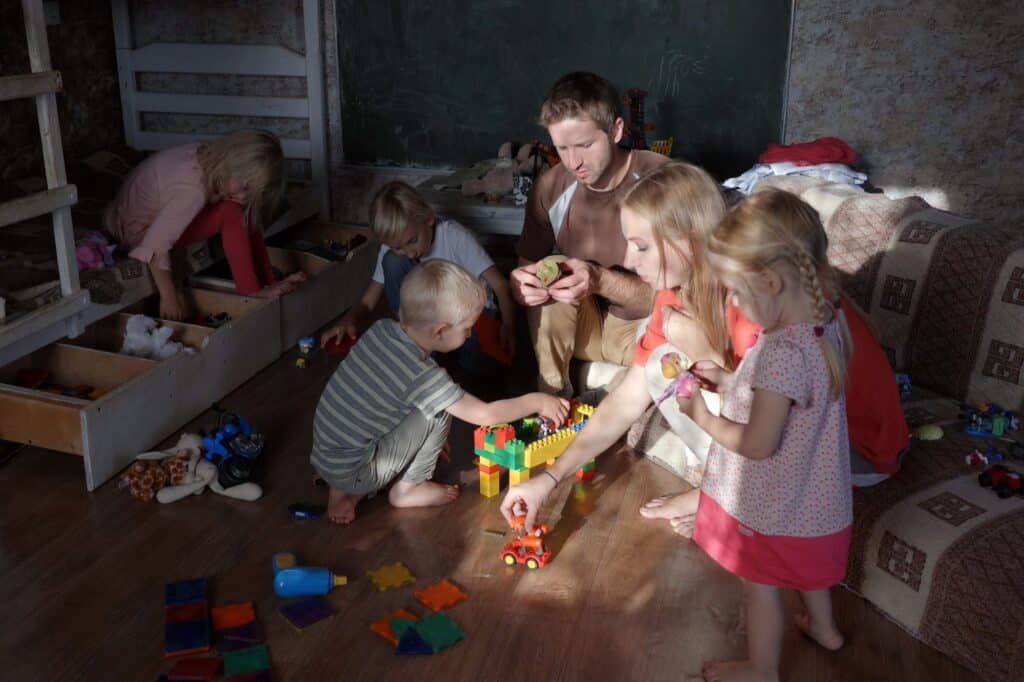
[(194, 192), (775, 505)]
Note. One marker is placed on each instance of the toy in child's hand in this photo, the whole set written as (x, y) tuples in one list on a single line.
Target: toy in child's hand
[(291, 580), (526, 548), (548, 271), (683, 383), (306, 344)]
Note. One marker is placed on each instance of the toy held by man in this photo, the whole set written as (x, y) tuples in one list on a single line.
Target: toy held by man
[(548, 271), (526, 548), (292, 580), (233, 447), (306, 345), (684, 381)]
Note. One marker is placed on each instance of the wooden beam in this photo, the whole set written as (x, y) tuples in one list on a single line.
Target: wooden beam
[(29, 85), (150, 141), (251, 60), (223, 105), (38, 204)]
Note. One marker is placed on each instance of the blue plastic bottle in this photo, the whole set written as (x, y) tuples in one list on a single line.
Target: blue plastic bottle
[(302, 581)]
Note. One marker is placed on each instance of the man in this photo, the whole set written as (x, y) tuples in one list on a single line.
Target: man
[(593, 310)]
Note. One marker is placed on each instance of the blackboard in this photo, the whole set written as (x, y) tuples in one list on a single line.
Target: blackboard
[(441, 83)]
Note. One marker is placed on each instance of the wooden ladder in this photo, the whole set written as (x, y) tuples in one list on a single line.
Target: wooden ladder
[(62, 317)]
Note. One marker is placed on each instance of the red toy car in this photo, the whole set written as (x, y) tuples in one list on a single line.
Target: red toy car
[(1004, 481), (528, 549)]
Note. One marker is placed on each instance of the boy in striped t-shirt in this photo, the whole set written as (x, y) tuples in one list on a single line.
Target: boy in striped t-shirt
[(385, 412)]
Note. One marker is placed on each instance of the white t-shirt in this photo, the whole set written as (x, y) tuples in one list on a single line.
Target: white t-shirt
[(452, 242)]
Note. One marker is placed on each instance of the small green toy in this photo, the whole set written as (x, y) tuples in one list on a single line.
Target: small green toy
[(548, 272)]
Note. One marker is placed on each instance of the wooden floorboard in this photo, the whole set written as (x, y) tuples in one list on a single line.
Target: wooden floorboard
[(82, 575)]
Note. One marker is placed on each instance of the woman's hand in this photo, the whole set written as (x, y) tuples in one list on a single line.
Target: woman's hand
[(525, 499)]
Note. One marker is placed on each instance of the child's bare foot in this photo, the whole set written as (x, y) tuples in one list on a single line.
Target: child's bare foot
[(827, 634), (341, 506), (426, 494), (735, 671), (672, 506), (683, 525)]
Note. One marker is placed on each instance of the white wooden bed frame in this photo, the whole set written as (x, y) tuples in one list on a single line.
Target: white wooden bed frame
[(249, 60)]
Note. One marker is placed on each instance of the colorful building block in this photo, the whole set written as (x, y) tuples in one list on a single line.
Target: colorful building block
[(186, 618), (490, 484), (383, 626), (232, 615), (516, 476), (246, 660)]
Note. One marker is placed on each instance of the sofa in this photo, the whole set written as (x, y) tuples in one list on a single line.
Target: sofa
[(936, 552)]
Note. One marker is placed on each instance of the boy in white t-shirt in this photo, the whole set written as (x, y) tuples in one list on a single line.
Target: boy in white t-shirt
[(410, 233)]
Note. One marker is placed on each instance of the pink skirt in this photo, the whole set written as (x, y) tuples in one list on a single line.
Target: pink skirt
[(799, 563)]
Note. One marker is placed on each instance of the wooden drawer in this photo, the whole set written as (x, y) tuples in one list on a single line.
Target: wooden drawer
[(332, 286), (146, 400)]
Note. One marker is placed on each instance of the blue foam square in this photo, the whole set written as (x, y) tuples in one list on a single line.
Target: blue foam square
[(186, 636), (185, 591)]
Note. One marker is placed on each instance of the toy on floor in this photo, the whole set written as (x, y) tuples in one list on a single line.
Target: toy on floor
[(341, 249), (145, 338), (383, 626), (1004, 481), (195, 669), (441, 595), (523, 445), (211, 320), (300, 510), (391, 575), (186, 618), (291, 580), (526, 548), (233, 448), (989, 456), (427, 636), (988, 419), (306, 345), (302, 613), (198, 474), (929, 432), (903, 384)]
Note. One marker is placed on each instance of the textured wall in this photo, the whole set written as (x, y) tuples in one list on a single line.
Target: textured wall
[(930, 93), (82, 49)]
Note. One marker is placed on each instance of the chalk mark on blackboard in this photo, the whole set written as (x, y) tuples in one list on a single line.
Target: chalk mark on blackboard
[(674, 65)]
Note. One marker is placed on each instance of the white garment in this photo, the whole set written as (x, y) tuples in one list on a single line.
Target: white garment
[(832, 172), (452, 242)]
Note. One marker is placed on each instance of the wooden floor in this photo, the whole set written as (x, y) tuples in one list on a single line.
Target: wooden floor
[(82, 575)]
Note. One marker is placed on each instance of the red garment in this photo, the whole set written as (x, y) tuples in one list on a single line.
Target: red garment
[(822, 150), (874, 415), (244, 248)]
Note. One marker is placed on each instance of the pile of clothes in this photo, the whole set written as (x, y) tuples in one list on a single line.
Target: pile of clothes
[(826, 157)]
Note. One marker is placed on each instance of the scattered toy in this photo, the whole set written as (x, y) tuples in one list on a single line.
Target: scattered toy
[(291, 580), (195, 669), (440, 595), (1004, 481), (383, 626), (232, 615), (186, 618), (391, 575), (306, 345), (988, 420), (526, 548), (305, 612), (929, 432), (252, 659), (306, 511)]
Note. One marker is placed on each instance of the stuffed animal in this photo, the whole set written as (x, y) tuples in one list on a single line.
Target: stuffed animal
[(184, 472), (145, 338)]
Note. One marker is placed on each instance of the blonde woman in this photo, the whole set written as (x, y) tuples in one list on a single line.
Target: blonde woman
[(192, 192)]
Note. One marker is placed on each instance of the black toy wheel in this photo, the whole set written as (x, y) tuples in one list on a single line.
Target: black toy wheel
[(985, 479), (1003, 490)]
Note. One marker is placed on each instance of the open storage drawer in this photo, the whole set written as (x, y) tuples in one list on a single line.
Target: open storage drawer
[(142, 401), (333, 284)]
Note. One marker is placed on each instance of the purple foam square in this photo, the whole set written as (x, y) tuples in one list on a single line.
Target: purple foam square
[(250, 632), (304, 612)]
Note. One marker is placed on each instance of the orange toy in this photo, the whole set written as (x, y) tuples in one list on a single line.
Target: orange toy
[(527, 549), (441, 595), (383, 626)]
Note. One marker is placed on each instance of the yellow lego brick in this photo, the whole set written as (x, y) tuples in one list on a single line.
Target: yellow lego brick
[(548, 448), (489, 447), (518, 476), (484, 462), (490, 484)]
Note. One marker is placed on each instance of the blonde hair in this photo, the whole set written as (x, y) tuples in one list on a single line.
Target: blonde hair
[(683, 203), (252, 157), (439, 291), (395, 206), (775, 225), (579, 94)]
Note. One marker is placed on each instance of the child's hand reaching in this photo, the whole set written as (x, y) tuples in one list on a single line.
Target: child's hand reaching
[(170, 308), (346, 327), (550, 407)]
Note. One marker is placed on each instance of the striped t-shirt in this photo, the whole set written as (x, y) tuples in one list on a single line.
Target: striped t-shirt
[(382, 380)]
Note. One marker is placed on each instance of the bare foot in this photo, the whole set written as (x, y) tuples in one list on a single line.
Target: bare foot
[(426, 494), (672, 506), (341, 506), (683, 525), (827, 635), (735, 671)]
